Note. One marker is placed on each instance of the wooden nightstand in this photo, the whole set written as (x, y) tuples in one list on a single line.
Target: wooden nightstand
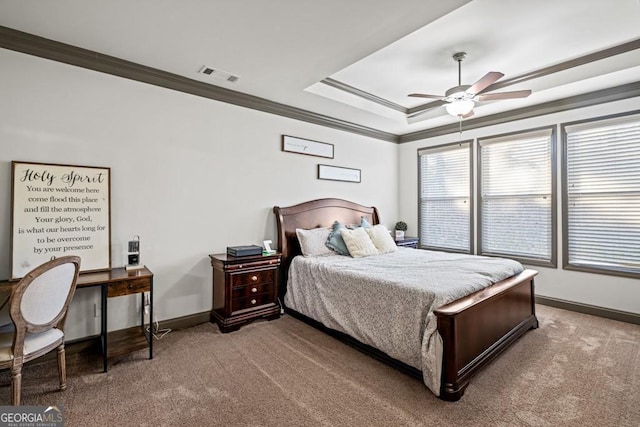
[(244, 289), (408, 242)]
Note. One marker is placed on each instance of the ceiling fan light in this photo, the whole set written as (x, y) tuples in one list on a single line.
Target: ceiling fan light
[(460, 107)]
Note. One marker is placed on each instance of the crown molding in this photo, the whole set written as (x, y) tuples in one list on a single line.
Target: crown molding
[(617, 93), (362, 94), (49, 49), (566, 65), (536, 74)]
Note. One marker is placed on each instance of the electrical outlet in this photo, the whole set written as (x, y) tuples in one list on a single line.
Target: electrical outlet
[(147, 307)]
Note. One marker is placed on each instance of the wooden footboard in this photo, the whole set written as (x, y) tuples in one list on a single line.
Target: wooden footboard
[(474, 329), (477, 328)]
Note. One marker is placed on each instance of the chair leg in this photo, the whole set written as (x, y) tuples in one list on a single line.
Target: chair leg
[(62, 367), (16, 384)]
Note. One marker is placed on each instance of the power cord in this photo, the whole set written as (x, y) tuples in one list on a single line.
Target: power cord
[(157, 332)]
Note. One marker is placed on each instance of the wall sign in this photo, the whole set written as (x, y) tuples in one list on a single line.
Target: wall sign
[(59, 210), (307, 146), (338, 173)]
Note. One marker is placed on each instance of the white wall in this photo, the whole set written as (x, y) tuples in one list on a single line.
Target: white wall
[(594, 289), (189, 175)]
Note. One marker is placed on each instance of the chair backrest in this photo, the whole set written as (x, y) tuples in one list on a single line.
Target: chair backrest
[(40, 300)]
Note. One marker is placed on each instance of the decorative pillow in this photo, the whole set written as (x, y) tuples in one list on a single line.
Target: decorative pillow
[(358, 242), (364, 223), (335, 240), (382, 239), (312, 241)]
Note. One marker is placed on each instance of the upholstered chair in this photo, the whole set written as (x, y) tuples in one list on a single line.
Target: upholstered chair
[(38, 308)]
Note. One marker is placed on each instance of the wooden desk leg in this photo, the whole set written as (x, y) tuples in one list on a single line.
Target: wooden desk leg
[(151, 319), (103, 332)]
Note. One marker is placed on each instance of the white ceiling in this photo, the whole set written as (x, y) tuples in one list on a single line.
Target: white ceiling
[(282, 49)]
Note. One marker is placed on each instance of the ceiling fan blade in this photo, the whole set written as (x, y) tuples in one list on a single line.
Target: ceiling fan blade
[(503, 95), (490, 78), (469, 114), (424, 95)]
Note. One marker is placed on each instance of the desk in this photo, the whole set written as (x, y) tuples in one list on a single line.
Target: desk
[(113, 283)]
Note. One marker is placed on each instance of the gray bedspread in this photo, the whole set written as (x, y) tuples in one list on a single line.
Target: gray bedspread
[(387, 301)]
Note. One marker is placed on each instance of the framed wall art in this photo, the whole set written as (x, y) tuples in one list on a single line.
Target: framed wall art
[(307, 146), (338, 173), (59, 210)]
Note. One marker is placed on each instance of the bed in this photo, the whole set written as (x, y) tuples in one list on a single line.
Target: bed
[(471, 330)]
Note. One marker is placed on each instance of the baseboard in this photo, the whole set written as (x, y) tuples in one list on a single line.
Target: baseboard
[(92, 343), (185, 322), (608, 313)]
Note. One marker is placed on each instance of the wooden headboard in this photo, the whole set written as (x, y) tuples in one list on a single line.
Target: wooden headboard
[(313, 214)]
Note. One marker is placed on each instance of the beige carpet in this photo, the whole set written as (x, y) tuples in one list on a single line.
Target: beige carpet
[(575, 370)]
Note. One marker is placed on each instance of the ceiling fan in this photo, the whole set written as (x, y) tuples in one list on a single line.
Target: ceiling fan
[(460, 100)]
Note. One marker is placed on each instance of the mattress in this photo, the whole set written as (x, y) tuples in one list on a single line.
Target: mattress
[(387, 301)]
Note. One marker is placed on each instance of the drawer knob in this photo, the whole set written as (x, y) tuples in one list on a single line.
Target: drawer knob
[(254, 290), (254, 278), (253, 301)]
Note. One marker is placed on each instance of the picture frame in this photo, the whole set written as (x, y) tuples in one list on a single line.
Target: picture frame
[(339, 173), (307, 147), (59, 210)]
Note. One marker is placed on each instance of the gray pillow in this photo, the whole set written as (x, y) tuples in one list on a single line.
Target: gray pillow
[(335, 240), (363, 223)]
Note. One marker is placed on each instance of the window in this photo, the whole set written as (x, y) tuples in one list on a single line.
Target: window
[(445, 197), (517, 196), (601, 197)]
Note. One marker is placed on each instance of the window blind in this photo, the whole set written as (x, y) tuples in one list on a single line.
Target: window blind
[(602, 191), (445, 202), (517, 196)]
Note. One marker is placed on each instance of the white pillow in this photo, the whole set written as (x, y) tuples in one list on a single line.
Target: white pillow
[(382, 239), (358, 242), (312, 242)]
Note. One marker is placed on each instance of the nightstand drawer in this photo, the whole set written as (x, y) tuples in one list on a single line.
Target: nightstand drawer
[(128, 287), (252, 264), (252, 278), (245, 291), (251, 301)]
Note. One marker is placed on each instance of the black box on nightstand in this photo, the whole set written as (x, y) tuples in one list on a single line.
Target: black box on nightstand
[(244, 250)]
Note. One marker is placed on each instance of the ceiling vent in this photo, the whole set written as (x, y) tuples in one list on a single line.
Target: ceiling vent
[(218, 74)]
